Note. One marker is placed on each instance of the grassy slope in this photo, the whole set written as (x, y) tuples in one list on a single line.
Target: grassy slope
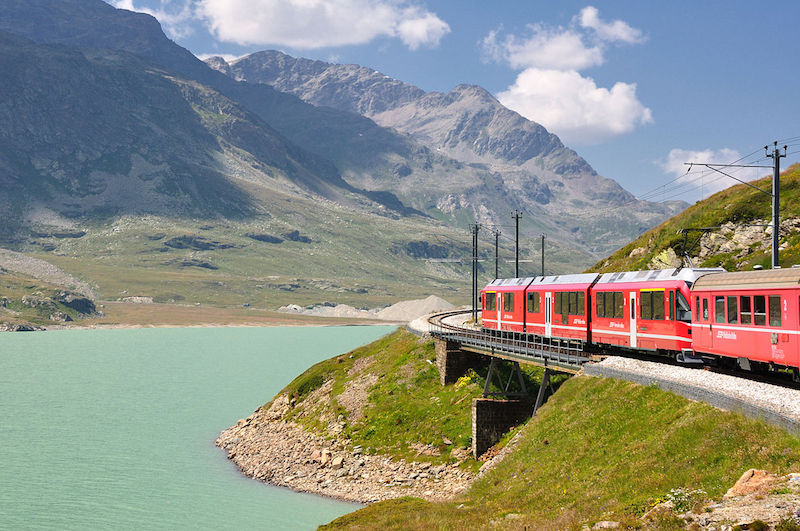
[(600, 449), (353, 258), (406, 406), (13, 287), (738, 204)]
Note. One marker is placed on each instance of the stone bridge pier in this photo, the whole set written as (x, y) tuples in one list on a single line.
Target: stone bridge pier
[(491, 417)]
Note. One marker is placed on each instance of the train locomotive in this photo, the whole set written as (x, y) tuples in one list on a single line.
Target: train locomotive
[(749, 319)]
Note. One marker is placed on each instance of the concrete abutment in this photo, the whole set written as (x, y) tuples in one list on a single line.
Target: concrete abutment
[(492, 418)]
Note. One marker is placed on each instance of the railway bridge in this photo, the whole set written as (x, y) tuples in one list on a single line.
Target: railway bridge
[(460, 347)]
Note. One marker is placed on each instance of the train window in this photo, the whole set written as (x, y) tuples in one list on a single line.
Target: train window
[(557, 303), (746, 310), (733, 311), (774, 310), (705, 309), (619, 303), (658, 305), (491, 302), (719, 309), (759, 310), (533, 303), (573, 303), (600, 303), (508, 302), (671, 305), (581, 303), (697, 307), (652, 305), (683, 310), (645, 305)]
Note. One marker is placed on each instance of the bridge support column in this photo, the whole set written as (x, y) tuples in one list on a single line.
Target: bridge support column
[(492, 418), (453, 362)]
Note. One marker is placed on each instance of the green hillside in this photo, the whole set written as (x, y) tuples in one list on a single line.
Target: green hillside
[(601, 449), (737, 206)]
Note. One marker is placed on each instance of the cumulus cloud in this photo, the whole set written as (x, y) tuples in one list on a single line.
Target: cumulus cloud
[(173, 19), (551, 91), (558, 49), (574, 107), (616, 30), (309, 24), (709, 180)]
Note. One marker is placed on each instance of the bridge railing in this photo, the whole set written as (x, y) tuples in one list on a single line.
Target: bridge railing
[(566, 353)]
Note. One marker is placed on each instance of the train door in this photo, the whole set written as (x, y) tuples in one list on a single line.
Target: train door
[(499, 310), (548, 315), (633, 318)]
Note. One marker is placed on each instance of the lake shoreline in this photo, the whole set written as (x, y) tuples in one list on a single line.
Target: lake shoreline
[(266, 448), (126, 315)]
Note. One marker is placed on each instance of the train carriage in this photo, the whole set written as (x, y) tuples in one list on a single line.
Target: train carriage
[(558, 306), (645, 310), (503, 302), (751, 317)]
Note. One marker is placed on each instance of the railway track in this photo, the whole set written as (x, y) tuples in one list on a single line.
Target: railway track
[(569, 355)]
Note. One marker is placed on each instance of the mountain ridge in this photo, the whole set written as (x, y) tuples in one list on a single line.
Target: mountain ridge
[(520, 164)]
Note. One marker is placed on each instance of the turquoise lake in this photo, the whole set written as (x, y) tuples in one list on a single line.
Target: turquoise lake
[(115, 429)]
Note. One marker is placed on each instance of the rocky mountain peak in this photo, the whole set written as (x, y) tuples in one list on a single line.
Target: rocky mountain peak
[(220, 65)]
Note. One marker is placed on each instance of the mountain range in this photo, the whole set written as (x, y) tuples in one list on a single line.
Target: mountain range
[(517, 164), (115, 141)]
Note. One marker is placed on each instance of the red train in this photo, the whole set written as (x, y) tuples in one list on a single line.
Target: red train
[(747, 318)]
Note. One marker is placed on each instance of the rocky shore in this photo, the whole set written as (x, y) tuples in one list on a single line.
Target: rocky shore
[(268, 448)]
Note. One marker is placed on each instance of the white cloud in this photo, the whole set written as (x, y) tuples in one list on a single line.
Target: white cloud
[(421, 28), (174, 21), (702, 178), (551, 91), (308, 24), (556, 49), (574, 107), (616, 30)]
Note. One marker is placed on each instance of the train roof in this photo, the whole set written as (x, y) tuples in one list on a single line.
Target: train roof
[(511, 281), (686, 274), (767, 278), (576, 278)]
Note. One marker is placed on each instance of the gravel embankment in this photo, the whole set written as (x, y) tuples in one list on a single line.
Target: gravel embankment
[(772, 403), (420, 326), (45, 271)]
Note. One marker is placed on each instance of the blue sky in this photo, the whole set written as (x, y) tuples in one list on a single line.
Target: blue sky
[(637, 88)]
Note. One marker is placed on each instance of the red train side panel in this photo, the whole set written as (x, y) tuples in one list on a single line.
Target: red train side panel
[(749, 314), (644, 310), (504, 304), (558, 306)]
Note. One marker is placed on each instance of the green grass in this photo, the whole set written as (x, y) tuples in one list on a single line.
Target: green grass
[(738, 204), (14, 287), (352, 259), (406, 406), (600, 449)]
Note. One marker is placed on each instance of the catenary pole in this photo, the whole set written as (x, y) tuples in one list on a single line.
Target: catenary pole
[(516, 215), (542, 254), (776, 203), (475, 229), (496, 254)]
